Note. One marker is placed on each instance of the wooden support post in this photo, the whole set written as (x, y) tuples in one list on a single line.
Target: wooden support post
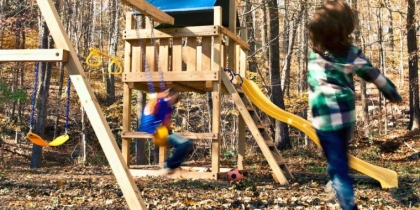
[(241, 61), (216, 58), (93, 110), (126, 142)]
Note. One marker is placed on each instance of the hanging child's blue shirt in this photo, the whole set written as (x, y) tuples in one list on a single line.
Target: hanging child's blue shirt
[(150, 121)]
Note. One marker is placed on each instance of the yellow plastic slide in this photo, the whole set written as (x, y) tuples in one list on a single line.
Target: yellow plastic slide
[(386, 177)]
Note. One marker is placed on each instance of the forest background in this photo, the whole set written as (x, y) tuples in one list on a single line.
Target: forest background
[(387, 31)]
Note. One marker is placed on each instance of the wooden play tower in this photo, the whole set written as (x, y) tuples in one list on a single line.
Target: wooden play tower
[(193, 58)]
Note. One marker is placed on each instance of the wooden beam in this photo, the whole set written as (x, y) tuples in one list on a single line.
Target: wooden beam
[(193, 31), (184, 87), (34, 55), (172, 76), (186, 135), (177, 175), (233, 36), (93, 110), (149, 10)]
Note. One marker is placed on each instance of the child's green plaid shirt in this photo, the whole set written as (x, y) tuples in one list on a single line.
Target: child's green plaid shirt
[(331, 95)]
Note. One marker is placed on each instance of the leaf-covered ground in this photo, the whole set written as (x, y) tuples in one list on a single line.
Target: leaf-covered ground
[(72, 187)]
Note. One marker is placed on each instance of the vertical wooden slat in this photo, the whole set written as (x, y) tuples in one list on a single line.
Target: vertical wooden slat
[(199, 54), (206, 48), (190, 56), (177, 54), (150, 55), (164, 55), (125, 145), (136, 56)]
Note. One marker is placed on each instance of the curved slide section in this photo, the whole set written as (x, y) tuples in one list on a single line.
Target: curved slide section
[(386, 177)]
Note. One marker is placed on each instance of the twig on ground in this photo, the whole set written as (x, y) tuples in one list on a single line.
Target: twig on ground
[(411, 147)]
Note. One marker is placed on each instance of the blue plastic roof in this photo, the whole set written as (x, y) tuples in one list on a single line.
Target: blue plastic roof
[(182, 5)]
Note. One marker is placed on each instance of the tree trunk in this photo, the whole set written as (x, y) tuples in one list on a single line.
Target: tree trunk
[(285, 77), (60, 91), (113, 45), (252, 62), (43, 93), (382, 110), (281, 137), (413, 66)]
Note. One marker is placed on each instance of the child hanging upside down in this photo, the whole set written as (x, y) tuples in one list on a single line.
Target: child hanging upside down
[(157, 112), (333, 61)]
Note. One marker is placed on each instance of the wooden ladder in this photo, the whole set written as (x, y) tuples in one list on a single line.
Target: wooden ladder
[(259, 132)]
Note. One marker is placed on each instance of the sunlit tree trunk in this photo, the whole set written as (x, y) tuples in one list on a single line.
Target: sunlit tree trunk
[(294, 24), (382, 110), (413, 66), (249, 19), (113, 44), (281, 131)]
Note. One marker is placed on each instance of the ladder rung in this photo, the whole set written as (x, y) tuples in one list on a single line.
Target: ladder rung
[(250, 109), (279, 159), (239, 90), (261, 127), (270, 143)]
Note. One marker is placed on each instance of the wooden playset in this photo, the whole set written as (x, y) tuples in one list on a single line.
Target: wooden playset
[(191, 58)]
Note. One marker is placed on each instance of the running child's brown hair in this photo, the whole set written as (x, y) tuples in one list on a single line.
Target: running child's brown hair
[(330, 28)]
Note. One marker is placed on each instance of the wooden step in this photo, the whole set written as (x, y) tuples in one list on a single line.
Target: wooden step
[(250, 109), (260, 126), (270, 143), (278, 157)]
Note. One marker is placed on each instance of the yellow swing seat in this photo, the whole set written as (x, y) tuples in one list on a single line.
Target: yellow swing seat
[(160, 137), (36, 139), (59, 140)]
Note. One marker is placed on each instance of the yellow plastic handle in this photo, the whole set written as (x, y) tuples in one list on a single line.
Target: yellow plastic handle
[(117, 63), (94, 54)]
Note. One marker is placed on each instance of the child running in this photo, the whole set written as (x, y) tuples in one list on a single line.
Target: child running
[(332, 63), (158, 111)]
